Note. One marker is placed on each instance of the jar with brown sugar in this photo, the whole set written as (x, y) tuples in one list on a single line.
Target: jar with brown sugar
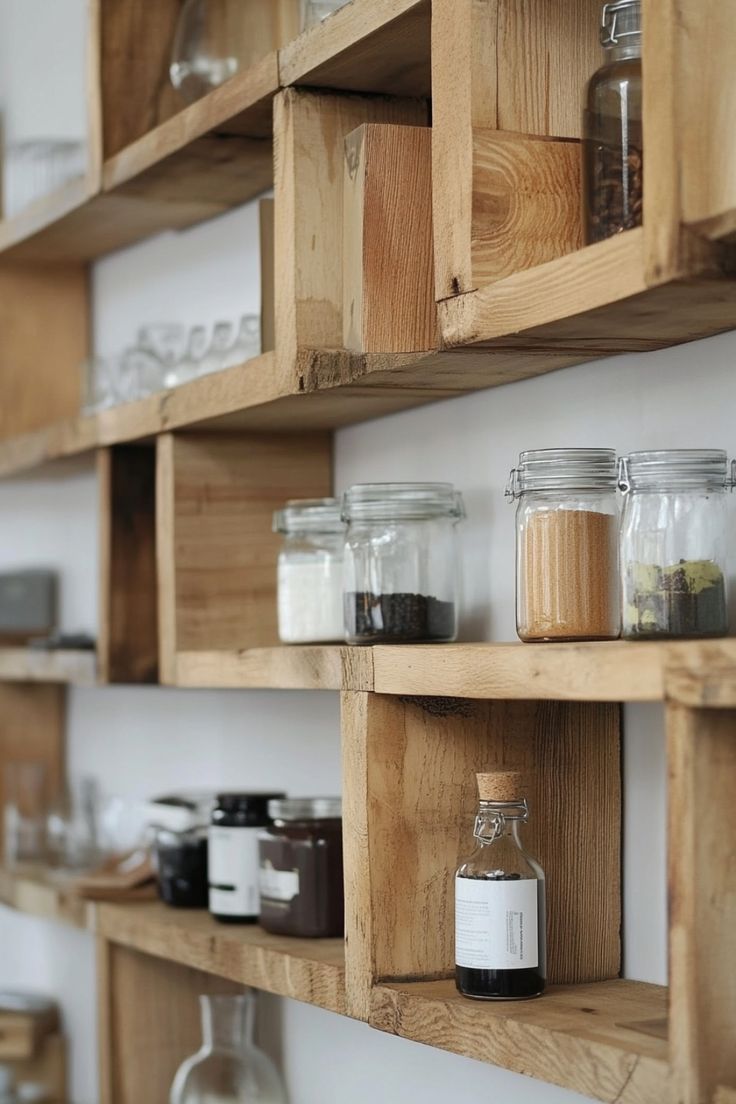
[(567, 584)]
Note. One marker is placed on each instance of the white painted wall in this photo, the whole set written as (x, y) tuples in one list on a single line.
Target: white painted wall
[(141, 740)]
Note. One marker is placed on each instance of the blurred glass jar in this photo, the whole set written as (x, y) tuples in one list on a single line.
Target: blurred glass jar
[(206, 48), (228, 1066), (181, 866), (314, 11), (71, 826), (25, 812)]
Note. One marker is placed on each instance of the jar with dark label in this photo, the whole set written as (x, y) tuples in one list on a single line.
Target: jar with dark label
[(237, 820), (301, 876), (181, 866)]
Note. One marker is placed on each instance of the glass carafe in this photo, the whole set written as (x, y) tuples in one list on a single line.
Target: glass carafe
[(229, 1068)]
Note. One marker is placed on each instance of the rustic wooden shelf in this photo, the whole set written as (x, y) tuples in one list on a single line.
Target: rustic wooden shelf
[(607, 1040), (38, 665), (291, 667)]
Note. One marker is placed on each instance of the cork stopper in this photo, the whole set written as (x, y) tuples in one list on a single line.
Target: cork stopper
[(501, 785)]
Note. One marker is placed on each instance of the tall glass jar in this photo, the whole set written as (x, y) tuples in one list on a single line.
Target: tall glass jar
[(500, 939), (612, 128), (674, 543), (228, 1066), (310, 571), (566, 544), (401, 578)]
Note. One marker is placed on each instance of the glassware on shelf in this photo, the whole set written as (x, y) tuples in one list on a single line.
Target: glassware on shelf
[(204, 51), (167, 341), (25, 812), (613, 170), (190, 365), (499, 900), (247, 342), (71, 826), (141, 374), (314, 11), (674, 543), (228, 1067), (222, 342), (309, 573), (98, 385), (401, 581)]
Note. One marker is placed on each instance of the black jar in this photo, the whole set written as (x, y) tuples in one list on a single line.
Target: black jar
[(181, 866), (237, 820), (301, 878)]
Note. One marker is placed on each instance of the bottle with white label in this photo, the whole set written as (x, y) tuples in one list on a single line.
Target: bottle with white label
[(237, 820), (499, 900)]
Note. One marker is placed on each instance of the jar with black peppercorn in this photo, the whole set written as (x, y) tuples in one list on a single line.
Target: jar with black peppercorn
[(500, 901), (401, 567), (612, 128)]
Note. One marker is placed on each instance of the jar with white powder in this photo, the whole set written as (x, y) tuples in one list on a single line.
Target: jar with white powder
[(310, 571)]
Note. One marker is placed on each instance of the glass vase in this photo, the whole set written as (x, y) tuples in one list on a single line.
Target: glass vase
[(229, 1067)]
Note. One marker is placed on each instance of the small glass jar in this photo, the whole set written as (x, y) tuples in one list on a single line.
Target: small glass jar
[(237, 820), (181, 866), (612, 128), (674, 543), (500, 937), (566, 544), (401, 579), (310, 571), (301, 879)]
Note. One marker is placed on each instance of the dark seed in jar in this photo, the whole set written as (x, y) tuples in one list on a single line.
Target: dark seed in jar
[(399, 617)]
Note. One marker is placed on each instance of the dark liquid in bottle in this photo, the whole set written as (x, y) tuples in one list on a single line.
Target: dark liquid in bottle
[(519, 984)]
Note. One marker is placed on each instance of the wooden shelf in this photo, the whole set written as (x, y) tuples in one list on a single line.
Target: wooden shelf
[(38, 665), (310, 970), (291, 667), (607, 1040), (216, 153)]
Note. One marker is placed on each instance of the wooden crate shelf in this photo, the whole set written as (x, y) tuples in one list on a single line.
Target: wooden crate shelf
[(293, 667), (37, 665), (606, 1040)]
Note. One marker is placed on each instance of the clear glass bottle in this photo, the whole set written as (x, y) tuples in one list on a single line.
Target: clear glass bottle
[(401, 579), (674, 543), (500, 934), (567, 584), (612, 128), (229, 1067), (207, 47), (310, 571)]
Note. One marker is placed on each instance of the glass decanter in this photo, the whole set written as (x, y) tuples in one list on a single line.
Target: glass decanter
[(499, 901), (228, 1068)]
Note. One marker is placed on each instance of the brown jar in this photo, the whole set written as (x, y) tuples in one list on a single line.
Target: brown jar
[(301, 883)]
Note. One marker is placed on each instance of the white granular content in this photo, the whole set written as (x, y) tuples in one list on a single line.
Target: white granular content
[(310, 601)]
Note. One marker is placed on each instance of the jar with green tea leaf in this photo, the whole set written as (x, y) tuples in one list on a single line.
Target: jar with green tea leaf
[(674, 543)]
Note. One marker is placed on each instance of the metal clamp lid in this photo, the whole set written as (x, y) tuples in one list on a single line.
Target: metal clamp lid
[(620, 20), (686, 469)]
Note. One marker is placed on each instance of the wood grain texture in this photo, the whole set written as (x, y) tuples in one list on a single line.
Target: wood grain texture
[(37, 892), (217, 554), (311, 667), (128, 634), (526, 203), (368, 46), (388, 266), (410, 798), (310, 970), (607, 671), (105, 1017), (506, 66), (309, 134), (361, 932), (583, 1037), (154, 1022), (36, 388), (701, 752)]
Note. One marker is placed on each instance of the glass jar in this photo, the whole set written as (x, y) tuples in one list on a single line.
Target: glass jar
[(310, 571), (500, 936), (674, 543), (301, 868), (210, 44), (612, 128), (228, 1066), (401, 579), (237, 820), (566, 544), (180, 859)]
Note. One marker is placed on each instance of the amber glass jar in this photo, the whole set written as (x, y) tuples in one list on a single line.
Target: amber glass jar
[(301, 883), (612, 128)]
